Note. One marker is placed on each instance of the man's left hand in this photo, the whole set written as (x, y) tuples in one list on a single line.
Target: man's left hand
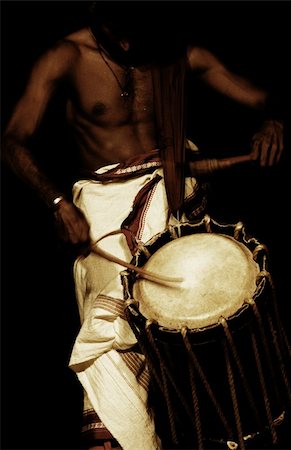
[(267, 144)]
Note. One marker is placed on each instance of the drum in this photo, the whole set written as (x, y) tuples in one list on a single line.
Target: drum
[(214, 344)]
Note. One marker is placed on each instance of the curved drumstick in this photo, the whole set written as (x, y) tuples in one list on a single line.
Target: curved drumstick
[(156, 278)]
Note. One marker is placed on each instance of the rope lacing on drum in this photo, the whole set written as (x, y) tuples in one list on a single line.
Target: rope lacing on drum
[(259, 248), (165, 387), (147, 343), (167, 373), (205, 382), (271, 369), (124, 281), (281, 329), (260, 256), (179, 219), (240, 370), (238, 230), (282, 334), (264, 390), (207, 223), (195, 401), (233, 397), (142, 248), (173, 232), (282, 368), (196, 407), (265, 345), (142, 343)]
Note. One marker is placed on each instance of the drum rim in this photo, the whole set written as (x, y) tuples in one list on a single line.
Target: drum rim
[(174, 231)]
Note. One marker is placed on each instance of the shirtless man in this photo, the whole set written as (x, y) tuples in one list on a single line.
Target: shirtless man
[(106, 131), (110, 109)]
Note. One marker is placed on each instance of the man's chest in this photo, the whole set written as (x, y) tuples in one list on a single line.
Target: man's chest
[(109, 92)]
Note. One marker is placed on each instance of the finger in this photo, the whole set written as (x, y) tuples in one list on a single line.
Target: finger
[(281, 147), (60, 229), (74, 237), (274, 148), (264, 151), (255, 150), (79, 232), (84, 231), (73, 233)]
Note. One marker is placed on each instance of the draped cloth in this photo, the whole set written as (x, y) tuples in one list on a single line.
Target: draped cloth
[(139, 197), (170, 110), (104, 355)]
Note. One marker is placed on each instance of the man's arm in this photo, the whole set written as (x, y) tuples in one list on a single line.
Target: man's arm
[(267, 144), (47, 73)]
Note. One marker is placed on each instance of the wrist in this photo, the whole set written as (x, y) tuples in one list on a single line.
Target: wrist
[(56, 203)]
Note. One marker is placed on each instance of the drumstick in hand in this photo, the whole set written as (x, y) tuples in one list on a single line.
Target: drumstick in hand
[(210, 166)]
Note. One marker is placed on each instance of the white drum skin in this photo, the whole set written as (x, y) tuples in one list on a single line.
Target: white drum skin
[(218, 273)]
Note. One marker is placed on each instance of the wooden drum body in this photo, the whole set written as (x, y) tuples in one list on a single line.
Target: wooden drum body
[(214, 344)]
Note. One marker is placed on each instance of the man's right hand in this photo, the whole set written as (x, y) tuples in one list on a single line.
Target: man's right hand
[(71, 223)]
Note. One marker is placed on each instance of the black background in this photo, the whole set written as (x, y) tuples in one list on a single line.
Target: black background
[(41, 399)]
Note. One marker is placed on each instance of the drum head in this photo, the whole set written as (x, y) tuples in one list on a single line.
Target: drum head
[(218, 273)]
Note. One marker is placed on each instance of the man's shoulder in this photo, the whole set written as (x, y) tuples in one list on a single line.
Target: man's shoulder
[(70, 46), (79, 40), (59, 59), (63, 53)]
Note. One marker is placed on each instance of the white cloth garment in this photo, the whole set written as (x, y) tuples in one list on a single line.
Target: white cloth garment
[(114, 392)]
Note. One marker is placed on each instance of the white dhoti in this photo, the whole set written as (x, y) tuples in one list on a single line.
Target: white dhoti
[(114, 377)]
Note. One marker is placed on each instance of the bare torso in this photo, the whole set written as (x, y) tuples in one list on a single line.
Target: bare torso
[(108, 127)]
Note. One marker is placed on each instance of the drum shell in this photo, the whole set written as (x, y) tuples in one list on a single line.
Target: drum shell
[(209, 344)]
